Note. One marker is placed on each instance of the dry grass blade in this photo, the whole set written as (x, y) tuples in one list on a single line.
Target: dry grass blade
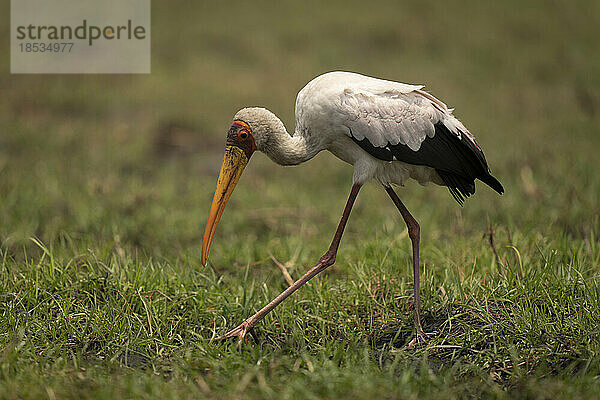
[(286, 275)]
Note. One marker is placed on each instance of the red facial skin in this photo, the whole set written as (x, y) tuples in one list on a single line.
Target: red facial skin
[(240, 135)]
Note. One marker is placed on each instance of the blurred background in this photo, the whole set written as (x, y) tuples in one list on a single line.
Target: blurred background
[(128, 163)]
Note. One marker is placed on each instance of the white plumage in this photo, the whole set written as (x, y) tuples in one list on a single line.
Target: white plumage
[(384, 112)]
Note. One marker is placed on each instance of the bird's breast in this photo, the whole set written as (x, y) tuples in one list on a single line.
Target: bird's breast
[(346, 150)]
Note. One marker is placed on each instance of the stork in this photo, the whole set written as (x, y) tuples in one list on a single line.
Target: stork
[(389, 131)]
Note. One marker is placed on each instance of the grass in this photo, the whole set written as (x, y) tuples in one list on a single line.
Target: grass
[(106, 181)]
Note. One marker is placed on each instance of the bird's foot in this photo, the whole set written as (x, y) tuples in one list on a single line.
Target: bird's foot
[(240, 332), (419, 338)]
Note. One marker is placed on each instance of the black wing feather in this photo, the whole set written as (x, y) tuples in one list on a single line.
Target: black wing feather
[(457, 160)]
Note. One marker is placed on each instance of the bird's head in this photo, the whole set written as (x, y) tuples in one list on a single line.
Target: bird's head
[(250, 131)]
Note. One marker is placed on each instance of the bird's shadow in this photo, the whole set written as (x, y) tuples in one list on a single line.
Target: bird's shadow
[(450, 322), (399, 334)]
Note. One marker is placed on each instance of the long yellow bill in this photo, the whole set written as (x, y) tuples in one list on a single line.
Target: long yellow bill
[(234, 163)]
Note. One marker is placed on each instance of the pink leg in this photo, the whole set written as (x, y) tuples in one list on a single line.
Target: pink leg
[(325, 261), (414, 232)]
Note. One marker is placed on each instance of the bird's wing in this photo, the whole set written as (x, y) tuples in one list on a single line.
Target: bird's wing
[(403, 115), (395, 121), (380, 111)]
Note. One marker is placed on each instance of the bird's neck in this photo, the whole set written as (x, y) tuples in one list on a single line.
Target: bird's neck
[(285, 149)]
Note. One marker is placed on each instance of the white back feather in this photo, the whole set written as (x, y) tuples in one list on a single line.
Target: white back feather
[(384, 112)]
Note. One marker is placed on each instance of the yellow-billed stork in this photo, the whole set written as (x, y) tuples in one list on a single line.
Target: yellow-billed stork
[(389, 131)]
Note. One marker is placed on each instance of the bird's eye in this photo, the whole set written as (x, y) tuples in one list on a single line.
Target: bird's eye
[(243, 134)]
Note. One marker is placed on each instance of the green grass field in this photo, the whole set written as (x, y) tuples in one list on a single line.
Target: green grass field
[(106, 182)]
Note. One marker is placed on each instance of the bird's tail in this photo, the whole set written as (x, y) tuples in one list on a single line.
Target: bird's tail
[(493, 183), (460, 187)]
